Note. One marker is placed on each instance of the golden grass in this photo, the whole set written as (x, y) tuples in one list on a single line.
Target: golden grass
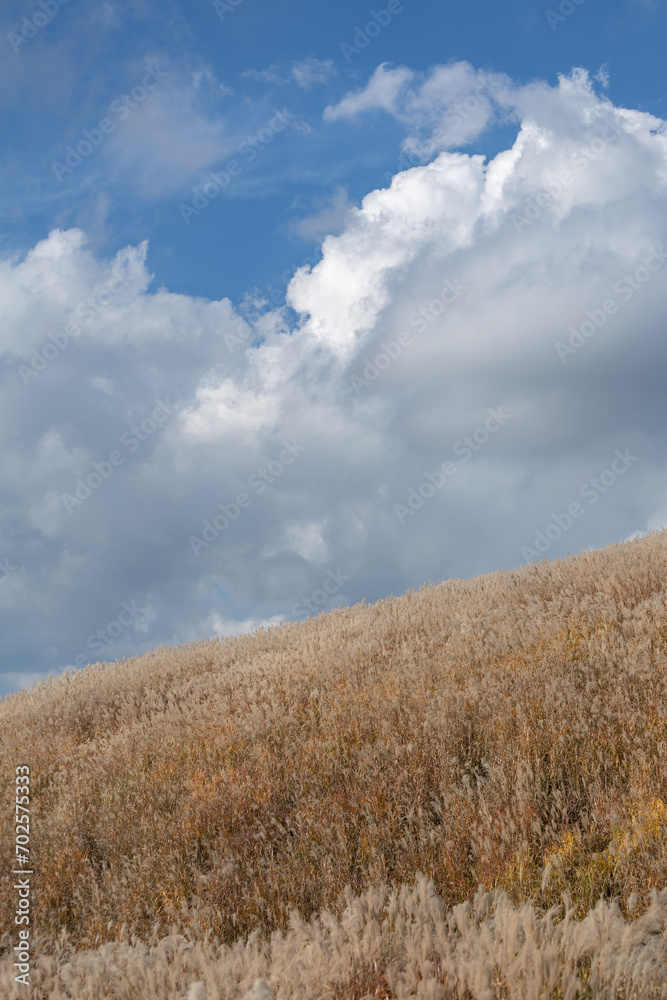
[(506, 731)]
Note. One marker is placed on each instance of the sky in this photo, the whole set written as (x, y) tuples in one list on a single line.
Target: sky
[(308, 304)]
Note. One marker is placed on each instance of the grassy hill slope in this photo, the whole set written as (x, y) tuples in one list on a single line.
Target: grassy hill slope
[(508, 731)]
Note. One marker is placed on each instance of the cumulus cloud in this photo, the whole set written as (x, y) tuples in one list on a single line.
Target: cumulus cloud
[(382, 91), (446, 108), (472, 376)]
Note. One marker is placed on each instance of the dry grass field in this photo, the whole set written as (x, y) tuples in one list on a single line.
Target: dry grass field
[(460, 792)]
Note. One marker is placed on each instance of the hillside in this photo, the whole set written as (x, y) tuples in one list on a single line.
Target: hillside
[(507, 731)]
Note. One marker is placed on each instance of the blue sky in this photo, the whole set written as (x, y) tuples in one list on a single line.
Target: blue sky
[(480, 179), (64, 80)]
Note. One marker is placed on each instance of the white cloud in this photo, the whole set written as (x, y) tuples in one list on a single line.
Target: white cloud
[(444, 296), (382, 91), (304, 539), (205, 75), (309, 72), (602, 75), (215, 625), (306, 73), (454, 105), (269, 75), (446, 108), (658, 520), (166, 124), (348, 290)]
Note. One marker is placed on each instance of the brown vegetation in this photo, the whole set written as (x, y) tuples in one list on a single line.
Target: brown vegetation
[(508, 731)]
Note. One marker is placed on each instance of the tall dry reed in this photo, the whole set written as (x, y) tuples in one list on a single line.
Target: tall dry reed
[(508, 730)]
